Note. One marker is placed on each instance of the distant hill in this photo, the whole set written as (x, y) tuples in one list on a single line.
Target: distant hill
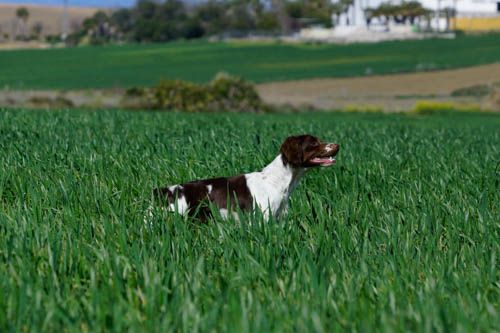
[(49, 16)]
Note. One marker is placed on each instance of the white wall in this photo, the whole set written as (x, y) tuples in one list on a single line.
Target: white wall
[(464, 7)]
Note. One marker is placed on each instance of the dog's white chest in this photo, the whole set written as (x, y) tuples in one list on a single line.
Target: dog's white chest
[(271, 187)]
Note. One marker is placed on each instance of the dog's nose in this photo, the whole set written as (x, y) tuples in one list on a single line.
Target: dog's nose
[(335, 146)]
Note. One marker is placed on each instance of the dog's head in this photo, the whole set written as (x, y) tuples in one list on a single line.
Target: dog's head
[(305, 151)]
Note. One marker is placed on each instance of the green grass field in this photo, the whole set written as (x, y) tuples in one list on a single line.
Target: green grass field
[(400, 235), (199, 61)]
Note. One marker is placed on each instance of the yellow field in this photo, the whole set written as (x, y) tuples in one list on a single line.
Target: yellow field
[(477, 23)]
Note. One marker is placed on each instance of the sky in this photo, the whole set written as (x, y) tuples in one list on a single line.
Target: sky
[(82, 3)]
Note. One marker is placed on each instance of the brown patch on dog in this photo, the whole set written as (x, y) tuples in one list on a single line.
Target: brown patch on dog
[(292, 150), (226, 193)]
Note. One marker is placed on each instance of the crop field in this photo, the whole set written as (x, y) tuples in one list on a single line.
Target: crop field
[(198, 61), (400, 235)]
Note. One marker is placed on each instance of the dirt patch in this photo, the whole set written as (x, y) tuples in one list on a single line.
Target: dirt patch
[(389, 92)]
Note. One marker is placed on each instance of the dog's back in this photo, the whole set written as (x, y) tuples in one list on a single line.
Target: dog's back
[(193, 198)]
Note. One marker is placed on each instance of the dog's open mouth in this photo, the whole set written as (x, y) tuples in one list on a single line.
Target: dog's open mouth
[(326, 159), (323, 161)]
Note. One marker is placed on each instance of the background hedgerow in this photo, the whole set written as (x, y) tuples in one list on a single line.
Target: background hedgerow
[(400, 235), (223, 93)]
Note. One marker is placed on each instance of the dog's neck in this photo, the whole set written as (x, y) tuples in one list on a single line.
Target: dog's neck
[(282, 175)]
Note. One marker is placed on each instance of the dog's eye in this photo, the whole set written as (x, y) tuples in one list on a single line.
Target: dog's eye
[(312, 146)]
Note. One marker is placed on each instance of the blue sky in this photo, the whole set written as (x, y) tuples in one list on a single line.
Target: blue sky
[(91, 3)]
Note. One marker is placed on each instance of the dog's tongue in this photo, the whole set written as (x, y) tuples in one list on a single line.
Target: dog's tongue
[(323, 161)]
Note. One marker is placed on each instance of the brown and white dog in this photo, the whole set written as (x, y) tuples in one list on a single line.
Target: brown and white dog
[(267, 190)]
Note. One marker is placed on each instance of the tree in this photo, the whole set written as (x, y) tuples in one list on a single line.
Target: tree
[(241, 18), (283, 18), (37, 29), (159, 22), (212, 16), (308, 12), (449, 13), (406, 11), (22, 15), (122, 20), (320, 11), (267, 21), (165, 20), (98, 28)]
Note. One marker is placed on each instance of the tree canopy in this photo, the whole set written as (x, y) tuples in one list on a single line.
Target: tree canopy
[(22, 13), (160, 21), (400, 13)]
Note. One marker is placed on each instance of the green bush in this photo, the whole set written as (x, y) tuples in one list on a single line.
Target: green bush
[(180, 95), (232, 93), (431, 107), (135, 92), (223, 93), (479, 90), (48, 102)]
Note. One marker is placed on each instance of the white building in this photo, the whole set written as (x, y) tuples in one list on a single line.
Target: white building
[(352, 26), (355, 16)]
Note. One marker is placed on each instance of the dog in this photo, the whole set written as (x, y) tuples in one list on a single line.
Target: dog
[(267, 190)]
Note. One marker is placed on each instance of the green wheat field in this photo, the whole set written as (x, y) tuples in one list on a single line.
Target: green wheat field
[(119, 66), (402, 234)]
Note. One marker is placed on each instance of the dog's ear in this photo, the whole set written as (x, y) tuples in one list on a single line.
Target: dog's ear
[(292, 151)]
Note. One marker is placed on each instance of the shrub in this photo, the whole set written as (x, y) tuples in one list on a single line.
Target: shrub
[(428, 107), (135, 92), (494, 98), (180, 95), (223, 93), (48, 102), (232, 93), (479, 90)]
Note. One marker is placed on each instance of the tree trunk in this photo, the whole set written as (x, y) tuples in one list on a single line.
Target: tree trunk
[(283, 18)]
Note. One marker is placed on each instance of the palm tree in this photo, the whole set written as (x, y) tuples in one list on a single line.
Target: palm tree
[(37, 29), (22, 15)]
